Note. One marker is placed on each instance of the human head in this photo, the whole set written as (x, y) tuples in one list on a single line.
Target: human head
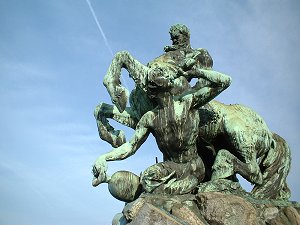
[(160, 84), (180, 35)]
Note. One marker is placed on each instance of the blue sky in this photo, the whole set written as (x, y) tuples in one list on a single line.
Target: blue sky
[(52, 62)]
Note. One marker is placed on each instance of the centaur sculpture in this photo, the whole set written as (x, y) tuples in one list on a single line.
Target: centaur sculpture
[(238, 138)]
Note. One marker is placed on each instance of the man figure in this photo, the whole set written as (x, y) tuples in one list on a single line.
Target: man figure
[(175, 126)]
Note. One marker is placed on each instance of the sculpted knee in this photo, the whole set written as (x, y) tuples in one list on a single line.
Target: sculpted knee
[(121, 54), (147, 179), (154, 176)]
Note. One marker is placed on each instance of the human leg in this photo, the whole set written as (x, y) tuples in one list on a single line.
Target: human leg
[(173, 178)]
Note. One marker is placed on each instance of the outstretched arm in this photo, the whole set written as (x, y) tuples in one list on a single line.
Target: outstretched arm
[(214, 78), (124, 151)]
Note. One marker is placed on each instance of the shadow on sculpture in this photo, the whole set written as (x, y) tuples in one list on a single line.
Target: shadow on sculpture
[(202, 141)]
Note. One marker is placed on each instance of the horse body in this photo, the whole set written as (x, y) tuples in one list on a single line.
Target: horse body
[(238, 124), (245, 145)]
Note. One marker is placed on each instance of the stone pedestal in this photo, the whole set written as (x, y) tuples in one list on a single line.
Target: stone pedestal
[(208, 208)]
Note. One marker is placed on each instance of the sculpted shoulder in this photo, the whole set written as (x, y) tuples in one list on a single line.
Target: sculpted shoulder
[(173, 57)]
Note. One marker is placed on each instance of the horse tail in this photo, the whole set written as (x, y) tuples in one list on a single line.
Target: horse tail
[(275, 167)]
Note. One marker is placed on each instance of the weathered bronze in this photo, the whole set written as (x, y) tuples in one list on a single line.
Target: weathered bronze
[(204, 143)]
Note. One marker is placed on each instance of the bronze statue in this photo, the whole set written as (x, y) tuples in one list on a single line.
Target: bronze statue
[(201, 139)]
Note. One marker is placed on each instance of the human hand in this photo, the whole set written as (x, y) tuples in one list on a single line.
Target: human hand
[(99, 171), (189, 63)]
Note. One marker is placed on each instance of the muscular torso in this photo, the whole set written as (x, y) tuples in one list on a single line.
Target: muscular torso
[(176, 126), (175, 129), (178, 58), (175, 58)]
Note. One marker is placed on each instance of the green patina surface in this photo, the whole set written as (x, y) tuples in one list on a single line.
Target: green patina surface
[(201, 139)]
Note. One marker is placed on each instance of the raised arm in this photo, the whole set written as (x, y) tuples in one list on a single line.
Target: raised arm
[(214, 78), (217, 82), (124, 151)]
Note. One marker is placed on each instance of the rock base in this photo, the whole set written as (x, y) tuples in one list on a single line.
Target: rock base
[(207, 208)]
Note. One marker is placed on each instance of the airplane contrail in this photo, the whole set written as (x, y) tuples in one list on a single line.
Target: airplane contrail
[(99, 27), (104, 36)]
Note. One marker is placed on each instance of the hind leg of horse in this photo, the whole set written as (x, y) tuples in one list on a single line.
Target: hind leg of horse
[(137, 71), (106, 132), (223, 166), (226, 164), (244, 137)]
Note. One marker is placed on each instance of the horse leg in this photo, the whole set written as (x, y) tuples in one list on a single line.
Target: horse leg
[(223, 166), (226, 164), (106, 132), (137, 71), (245, 133)]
